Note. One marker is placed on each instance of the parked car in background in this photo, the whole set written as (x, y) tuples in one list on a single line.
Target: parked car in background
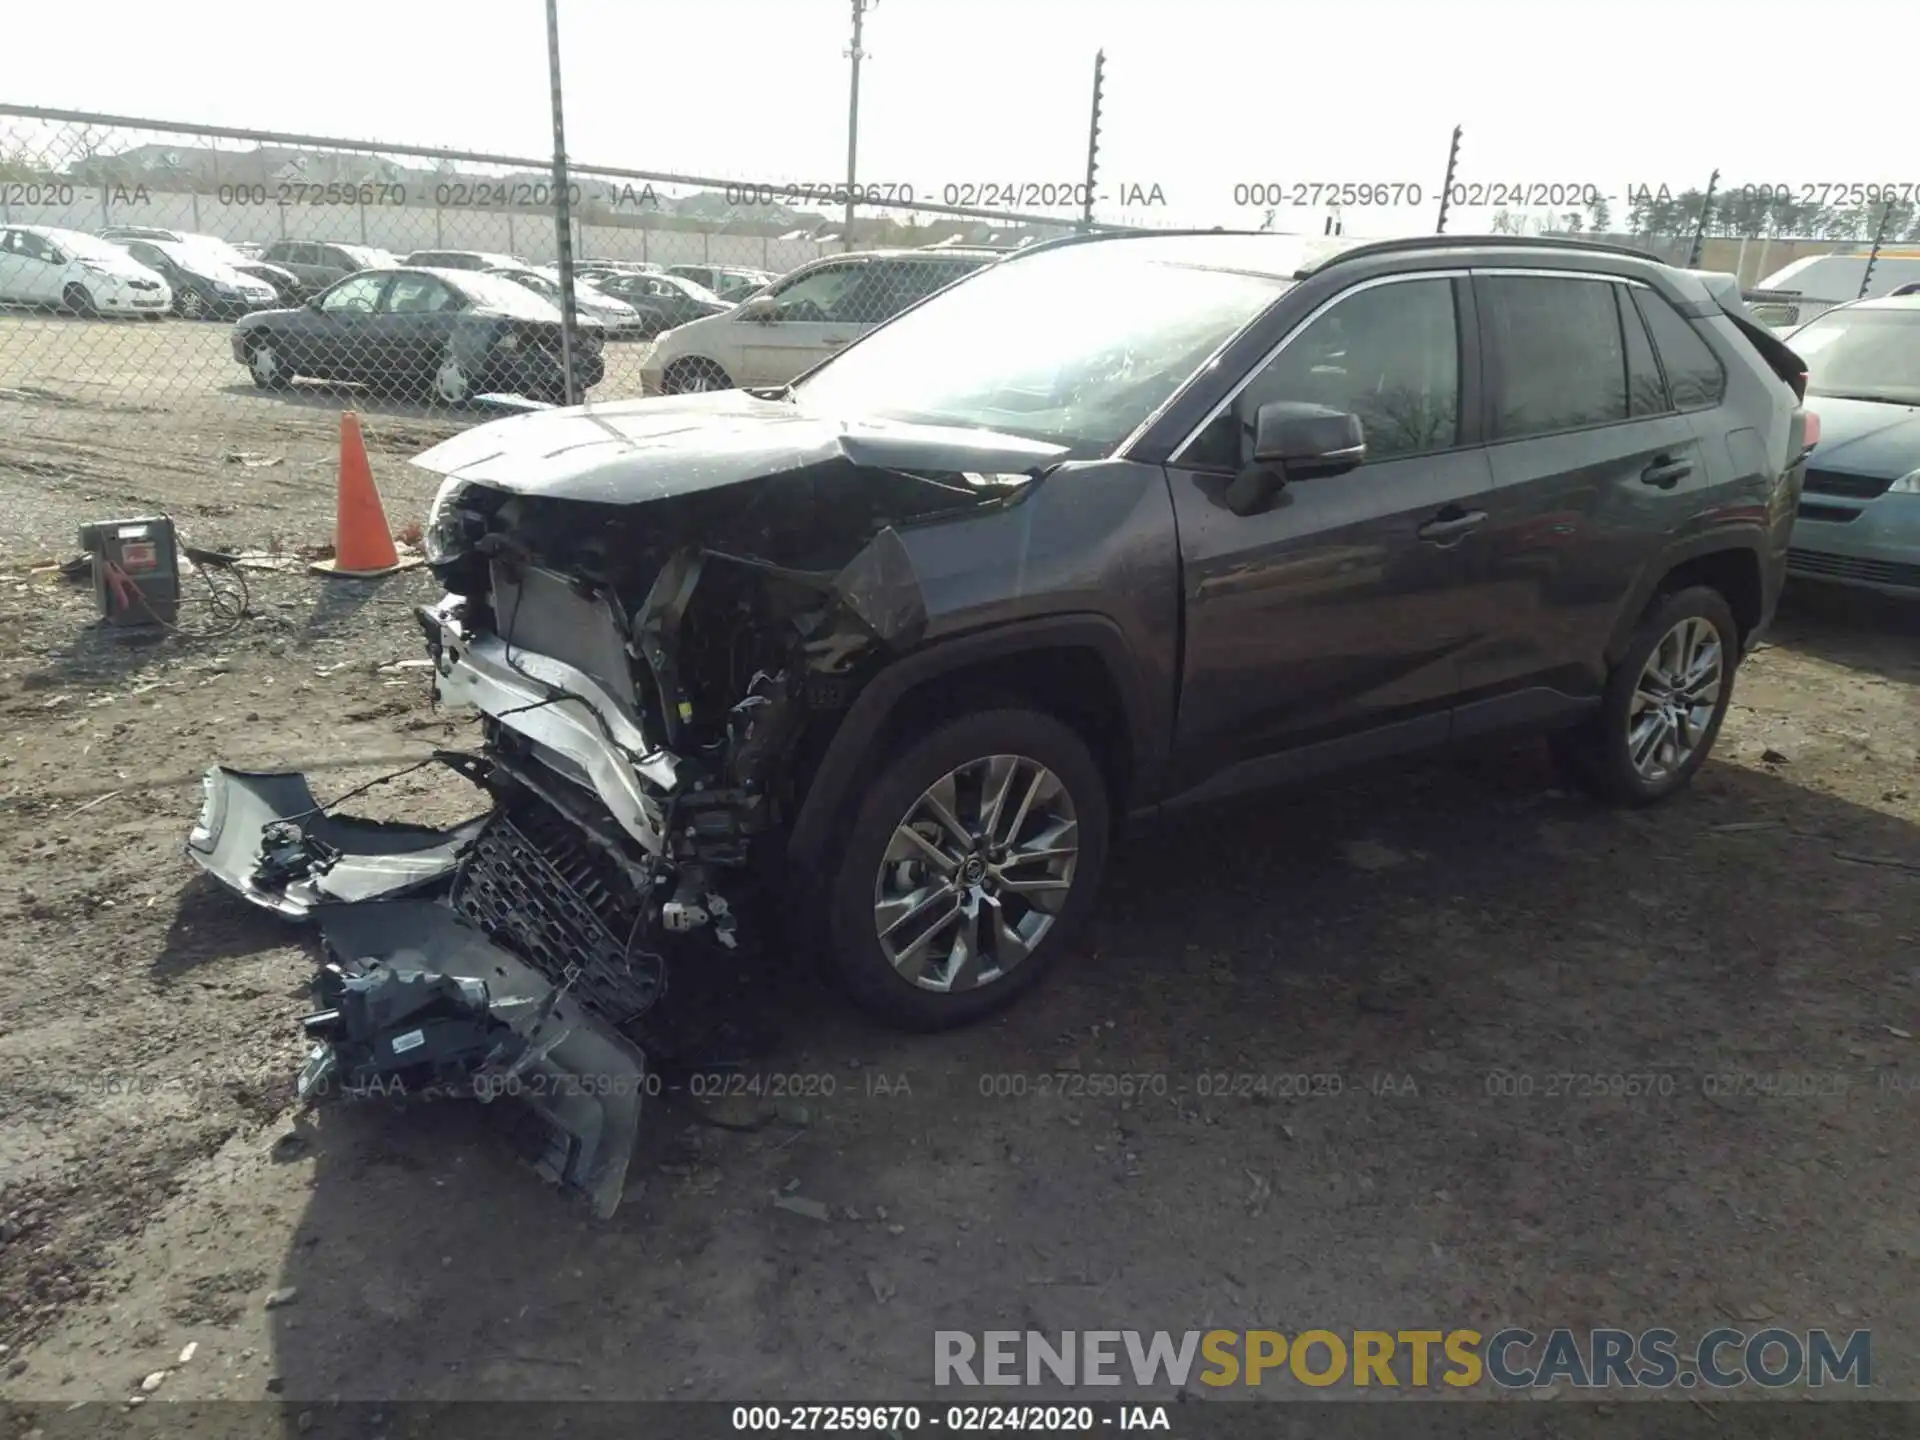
[(453, 334), (730, 282), (45, 265), (588, 303), (802, 318), (1813, 284), (1859, 516), (249, 248), (286, 285), (465, 260), (204, 286), (617, 267), (318, 263), (662, 301)]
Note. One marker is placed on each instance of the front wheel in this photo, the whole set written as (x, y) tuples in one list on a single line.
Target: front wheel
[(970, 864), (452, 385), (1663, 705), (693, 376), (264, 364), (191, 305), (79, 301)]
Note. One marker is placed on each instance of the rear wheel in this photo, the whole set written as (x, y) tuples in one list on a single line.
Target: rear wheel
[(694, 375), (970, 864), (452, 384), (79, 301), (1664, 702)]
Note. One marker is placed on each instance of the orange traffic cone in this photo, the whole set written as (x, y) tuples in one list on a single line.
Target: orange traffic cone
[(362, 543)]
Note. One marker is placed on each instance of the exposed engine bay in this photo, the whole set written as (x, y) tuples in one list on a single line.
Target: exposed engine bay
[(660, 639)]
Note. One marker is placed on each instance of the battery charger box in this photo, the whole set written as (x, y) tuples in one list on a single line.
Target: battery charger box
[(147, 553)]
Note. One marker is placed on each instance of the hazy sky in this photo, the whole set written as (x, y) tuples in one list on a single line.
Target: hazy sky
[(1201, 94)]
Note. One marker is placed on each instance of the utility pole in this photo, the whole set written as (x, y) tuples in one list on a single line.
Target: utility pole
[(1446, 186), (1093, 140), (1706, 214), (562, 211), (1879, 239), (856, 54)]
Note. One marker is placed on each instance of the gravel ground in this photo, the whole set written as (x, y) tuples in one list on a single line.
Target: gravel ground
[(1436, 943)]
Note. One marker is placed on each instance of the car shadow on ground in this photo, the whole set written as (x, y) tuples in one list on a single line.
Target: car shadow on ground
[(1435, 920)]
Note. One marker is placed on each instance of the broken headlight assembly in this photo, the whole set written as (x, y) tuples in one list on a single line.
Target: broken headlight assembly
[(451, 528)]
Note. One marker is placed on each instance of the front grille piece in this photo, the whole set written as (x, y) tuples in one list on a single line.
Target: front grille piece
[(534, 886)]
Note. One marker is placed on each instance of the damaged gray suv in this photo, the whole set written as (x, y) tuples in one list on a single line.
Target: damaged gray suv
[(882, 659)]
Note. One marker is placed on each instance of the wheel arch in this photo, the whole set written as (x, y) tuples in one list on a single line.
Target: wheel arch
[(1734, 568), (1077, 668)]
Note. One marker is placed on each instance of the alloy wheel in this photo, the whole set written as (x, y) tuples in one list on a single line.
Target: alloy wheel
[(1675, 700), (450, 382), (976, 873), (191, 305), (265, 364)]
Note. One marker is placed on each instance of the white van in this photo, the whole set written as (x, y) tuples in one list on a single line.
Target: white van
[(1837, 277)]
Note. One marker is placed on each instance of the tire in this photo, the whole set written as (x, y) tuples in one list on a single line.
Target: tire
[(693, 375), (452, 384), (79, 301), (269, 372), (190, 305), (1639, 715), (880, 877)]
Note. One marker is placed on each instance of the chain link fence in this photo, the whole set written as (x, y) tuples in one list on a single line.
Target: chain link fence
[(203, 302)]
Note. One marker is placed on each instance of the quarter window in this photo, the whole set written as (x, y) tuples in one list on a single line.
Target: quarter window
[(1389, 354), (1560, 355), (1693, 370), (1646, 391)]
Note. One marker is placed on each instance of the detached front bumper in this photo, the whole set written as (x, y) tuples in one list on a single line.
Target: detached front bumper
[(413, 997)]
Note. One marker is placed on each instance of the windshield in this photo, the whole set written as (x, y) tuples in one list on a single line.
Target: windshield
[(692, 288), (1075, 346), (1863, 354), (85, 247), (500, 294)]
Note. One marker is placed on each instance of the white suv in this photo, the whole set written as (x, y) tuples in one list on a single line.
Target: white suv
[(801, 319), (40, 265)]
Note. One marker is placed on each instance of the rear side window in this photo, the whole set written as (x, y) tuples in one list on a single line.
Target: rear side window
[(1694, 376), (1560, 354), (1646, 391)]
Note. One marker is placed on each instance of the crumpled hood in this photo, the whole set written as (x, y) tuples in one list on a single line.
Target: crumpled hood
[(1866, 437), (638, 450)]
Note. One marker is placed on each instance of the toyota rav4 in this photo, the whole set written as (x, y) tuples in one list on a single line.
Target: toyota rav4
[(886, 656)]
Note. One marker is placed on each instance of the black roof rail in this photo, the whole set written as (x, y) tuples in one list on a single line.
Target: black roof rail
[(1407, 243)]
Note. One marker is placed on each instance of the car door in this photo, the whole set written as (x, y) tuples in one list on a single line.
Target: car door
[(411, 327), (16, 278), (804, 325), (337, 339), (1591, 464), (36, 270), (1328, 626)]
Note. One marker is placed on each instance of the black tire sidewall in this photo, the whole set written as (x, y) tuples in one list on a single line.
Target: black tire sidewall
[(1611, 764), (854, 954)]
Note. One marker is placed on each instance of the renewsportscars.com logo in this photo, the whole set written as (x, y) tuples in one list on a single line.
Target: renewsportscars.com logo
[(1510, 1359)]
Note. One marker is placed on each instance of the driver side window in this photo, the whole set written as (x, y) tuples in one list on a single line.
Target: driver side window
[(813, 297), (1389, 354), (354, 297)]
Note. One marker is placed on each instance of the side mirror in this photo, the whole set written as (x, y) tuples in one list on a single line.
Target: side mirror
[(1293, 440), (760, 308)]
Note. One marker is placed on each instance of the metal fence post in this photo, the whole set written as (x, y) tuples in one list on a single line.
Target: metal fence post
[(1446, 185), (853, 113), (1706, 214), (562, 211), (1879, 239), (1093, 139)]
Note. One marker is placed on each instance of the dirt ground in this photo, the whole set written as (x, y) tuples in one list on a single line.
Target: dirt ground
[(1437, 943)]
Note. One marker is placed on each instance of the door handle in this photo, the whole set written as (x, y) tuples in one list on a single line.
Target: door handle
[(1452, 524), (1666, 472)]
